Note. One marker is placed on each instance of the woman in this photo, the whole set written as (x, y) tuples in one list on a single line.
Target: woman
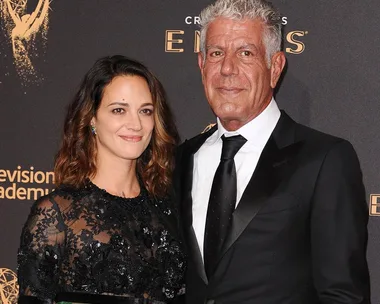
[(108, 234)]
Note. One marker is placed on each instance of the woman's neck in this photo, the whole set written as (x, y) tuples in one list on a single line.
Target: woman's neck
[(117, 177)]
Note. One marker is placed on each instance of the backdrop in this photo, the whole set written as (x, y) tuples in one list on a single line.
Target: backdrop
[(331, 84)]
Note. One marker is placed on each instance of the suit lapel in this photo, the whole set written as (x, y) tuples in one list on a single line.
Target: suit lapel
[(187, 164), (272, 167)]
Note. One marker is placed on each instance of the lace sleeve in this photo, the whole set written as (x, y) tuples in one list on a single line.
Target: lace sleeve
[(41, 249)]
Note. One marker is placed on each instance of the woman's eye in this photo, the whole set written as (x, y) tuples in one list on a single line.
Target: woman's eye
[(147, 111), (118, 111)]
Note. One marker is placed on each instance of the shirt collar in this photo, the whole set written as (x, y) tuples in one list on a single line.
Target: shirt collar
[(258, 130)]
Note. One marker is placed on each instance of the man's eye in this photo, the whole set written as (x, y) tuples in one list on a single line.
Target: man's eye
[(246, 53), (118, 111), (215, 54)]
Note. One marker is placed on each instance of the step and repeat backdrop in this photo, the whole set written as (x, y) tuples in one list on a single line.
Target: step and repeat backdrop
[(331, 83)]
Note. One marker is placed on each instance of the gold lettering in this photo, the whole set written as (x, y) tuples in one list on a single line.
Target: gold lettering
[(11, 189), (18, 174), (197, 36), (31, 174), (375, 205), (170, 40), (3, 174), (38, 192), (300, 46), (41, 179), (13, 192), (49, 179), (11, 175), (13, 179), (25, 176), (20, 193)]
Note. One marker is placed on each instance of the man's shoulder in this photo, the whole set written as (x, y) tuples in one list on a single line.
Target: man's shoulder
[(315, 146), (290, 131), (320, 143), (203, 135), (310, 134)]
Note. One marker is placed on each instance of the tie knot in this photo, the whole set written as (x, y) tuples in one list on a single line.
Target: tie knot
[(231, 145)]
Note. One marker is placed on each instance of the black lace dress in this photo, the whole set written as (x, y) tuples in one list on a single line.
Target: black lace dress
[(90, 246)]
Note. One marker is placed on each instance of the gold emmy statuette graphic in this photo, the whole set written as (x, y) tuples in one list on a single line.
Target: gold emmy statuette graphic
[(23, 30), (8, 286)]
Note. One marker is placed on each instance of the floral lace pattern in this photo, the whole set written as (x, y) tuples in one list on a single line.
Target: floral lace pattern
[(90, 241)]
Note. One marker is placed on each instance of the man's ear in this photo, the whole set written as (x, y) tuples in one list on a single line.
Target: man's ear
[(276, 68)]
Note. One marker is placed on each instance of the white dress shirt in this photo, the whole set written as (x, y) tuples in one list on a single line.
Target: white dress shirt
[(207, 158)]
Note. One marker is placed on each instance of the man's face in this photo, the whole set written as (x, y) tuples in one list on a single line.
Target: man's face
[(237, 81)]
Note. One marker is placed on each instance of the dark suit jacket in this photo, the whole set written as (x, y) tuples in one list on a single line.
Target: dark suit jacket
[(299, 232)]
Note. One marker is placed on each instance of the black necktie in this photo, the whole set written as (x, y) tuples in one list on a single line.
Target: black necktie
[(222, 202)]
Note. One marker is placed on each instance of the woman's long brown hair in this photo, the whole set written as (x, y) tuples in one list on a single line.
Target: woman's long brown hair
[(75, 161)]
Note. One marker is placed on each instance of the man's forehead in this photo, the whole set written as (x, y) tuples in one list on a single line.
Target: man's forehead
[(234, 28), (237, 32), (236, 22)]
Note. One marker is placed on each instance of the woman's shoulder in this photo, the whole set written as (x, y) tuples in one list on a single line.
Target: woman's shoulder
[(69, 192), (60, 198)]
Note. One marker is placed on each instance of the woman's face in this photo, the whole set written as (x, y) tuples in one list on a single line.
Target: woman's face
[(124, 121)]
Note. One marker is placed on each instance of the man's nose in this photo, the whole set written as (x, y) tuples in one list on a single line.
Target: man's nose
[(229, 66)]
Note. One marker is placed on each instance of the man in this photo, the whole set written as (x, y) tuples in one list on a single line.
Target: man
[(273, 212)]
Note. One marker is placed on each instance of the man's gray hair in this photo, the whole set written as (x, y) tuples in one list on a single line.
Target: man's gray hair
[(245, 9)]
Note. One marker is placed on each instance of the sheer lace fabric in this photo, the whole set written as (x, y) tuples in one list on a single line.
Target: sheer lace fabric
[(90, 241)]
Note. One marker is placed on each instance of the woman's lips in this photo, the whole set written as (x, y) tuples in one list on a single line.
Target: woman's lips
[(132, 138)]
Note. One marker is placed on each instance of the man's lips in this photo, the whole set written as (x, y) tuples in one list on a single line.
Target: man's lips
[(132, 138), (229, 90)]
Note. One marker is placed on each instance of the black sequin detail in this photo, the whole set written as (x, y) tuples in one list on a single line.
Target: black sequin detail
[(90, 241)]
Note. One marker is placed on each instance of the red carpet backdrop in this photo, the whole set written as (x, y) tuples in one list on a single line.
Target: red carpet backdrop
[(331, 84)]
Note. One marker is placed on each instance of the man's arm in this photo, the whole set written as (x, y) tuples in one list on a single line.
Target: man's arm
[(339, 219)]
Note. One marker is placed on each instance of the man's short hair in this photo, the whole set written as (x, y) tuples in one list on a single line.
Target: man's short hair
[(245, 9)]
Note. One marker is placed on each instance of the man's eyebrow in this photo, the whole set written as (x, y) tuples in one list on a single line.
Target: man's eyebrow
[(213, 46), (247, 45)]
